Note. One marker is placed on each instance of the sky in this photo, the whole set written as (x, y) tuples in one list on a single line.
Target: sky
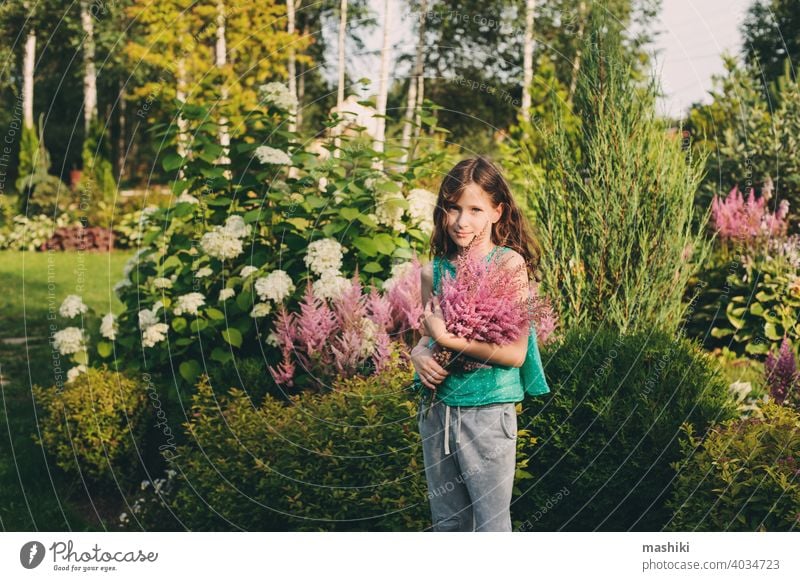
[(694, 35)]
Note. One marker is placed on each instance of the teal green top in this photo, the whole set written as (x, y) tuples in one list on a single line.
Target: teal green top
[(495, 384)]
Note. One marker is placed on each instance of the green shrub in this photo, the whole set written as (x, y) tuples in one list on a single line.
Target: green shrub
[(616, 212), (93, 426), (606, 434), (743, 476), (248, 373), (348, 460)]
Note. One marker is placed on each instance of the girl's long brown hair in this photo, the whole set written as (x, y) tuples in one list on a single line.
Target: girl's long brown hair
[(512, 230)]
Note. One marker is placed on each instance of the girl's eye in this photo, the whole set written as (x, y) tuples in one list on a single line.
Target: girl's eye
[(477, 210)]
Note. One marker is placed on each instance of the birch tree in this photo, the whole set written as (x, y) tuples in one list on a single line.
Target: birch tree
[(89, 67), (527, 59), (383, 90)]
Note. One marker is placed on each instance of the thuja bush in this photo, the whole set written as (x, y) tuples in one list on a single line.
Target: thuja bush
[(346, 460), (615, 215), (744, 475), (606, 435)]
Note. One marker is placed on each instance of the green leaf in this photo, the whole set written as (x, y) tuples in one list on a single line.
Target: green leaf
[(757, 348), (254, 215), (219, 201), (189, 370), (171, 161), (221, 355), (773, 331), (232, 336), (720, 332), (104, 348), (198, 325), (349, 214), (387, 186), (372, 267), (367, 221), (179, 324), (757, 309), (215, 314), (81, 358), (366, 245), (244, 300), (210, 152), (384, 243)]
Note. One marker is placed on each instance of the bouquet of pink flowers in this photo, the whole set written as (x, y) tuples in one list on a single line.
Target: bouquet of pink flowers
[(482, 303)]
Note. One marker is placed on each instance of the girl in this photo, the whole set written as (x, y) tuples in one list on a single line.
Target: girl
[(469, 434)]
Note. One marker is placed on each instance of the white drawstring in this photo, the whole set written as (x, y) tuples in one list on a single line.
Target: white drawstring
[(458, 427), (446, 429)]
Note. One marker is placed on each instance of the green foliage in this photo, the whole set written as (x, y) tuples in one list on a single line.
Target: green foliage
[(348, 460), (40, 192), (97, 184), (750, 141), (743, 476), (771, 31), (347, 199), (524, 153), (748, 303), (92, 426), (615, 215), (29, 233), (607, 432)]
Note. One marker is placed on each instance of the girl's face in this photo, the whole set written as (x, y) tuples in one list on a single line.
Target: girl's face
[(470, 216)]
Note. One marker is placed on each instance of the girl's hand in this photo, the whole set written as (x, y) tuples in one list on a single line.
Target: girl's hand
[(434, 320), (430, 373)]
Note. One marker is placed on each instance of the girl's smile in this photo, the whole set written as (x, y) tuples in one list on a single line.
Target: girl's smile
[(470, 216)]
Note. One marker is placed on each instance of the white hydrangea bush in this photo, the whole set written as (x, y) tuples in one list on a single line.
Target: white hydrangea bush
[(238, 244)]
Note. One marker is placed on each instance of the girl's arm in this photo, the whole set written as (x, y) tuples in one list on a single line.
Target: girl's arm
[(511, 355), (430, 372)]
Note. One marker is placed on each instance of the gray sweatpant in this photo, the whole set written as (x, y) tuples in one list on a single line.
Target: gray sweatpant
[(470, 457)]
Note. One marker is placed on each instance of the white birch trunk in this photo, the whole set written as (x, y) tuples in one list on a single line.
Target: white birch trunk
[(28, 64), (527, 59), (413, 85), (383, 89), (340, 91), (221, 59)]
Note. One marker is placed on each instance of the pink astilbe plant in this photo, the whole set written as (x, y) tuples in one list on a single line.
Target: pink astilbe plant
[(544, 318), (405, 298), (781, 373), (481, 303), (740, 220), (326, 342)]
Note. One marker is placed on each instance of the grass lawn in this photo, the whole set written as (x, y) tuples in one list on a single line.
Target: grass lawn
[(33, 494)]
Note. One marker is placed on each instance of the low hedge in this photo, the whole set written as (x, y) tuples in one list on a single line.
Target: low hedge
[(608, 431), (347, 460), (94, 427), (743, 476)]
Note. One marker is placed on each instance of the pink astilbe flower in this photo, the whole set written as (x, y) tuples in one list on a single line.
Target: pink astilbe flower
[(543, 317), (379, 312), (743, 220), (382, 352), (285, 331), (405, 297), (349, 308), (347, 349), (327, 341), (481, 303), (781, 373)]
